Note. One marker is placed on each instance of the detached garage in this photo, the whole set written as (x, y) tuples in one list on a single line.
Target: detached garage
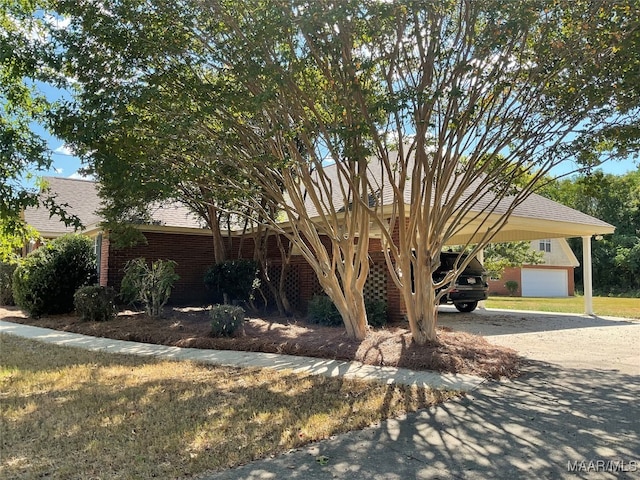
[(545, 282), (552, 278)]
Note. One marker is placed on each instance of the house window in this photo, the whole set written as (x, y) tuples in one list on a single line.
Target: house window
[(545, 245)]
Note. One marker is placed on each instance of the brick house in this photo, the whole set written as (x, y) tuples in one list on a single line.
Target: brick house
[(552, 278), (178, 235)]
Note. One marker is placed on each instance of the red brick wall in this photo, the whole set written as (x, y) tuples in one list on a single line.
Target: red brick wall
[(496, 287), (193, 254)]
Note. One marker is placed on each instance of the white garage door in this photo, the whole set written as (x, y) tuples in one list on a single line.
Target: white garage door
[(538, 282)]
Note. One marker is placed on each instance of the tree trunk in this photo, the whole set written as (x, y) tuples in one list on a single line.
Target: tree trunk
[(355, 315), (423, 317), (219, 250), (422, 302), (350, 304)]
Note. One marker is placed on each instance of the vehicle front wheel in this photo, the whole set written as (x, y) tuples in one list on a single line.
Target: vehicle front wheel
[(466, 306)]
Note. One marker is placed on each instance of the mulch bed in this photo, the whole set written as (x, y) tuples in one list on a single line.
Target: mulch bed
[(454, 352)]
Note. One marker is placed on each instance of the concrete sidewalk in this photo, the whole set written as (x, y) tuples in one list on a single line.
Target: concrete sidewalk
[(304, 365)]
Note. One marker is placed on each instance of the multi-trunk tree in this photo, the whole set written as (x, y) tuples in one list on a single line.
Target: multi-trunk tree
[(422, 123)]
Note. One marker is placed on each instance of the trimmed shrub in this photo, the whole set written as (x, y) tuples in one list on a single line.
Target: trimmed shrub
[(322, 311), (376, 312), (235, 278), (512, 286), (149, 284), (46, 280), (95, 303), (226, 320), (6, 281)]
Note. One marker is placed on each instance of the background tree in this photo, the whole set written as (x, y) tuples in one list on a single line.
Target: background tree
[(616, 200), (27, 60), (499, 256)]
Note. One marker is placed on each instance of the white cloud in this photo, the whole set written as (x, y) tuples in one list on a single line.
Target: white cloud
[(64, 149), (79, 176)]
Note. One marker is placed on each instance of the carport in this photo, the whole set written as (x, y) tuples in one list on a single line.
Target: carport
[(539, 218), (534, 218)]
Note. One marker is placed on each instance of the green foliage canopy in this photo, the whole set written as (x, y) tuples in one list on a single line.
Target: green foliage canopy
[(616, 200), (28, 60)]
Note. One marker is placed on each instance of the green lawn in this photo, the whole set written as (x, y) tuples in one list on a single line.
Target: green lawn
[(608, 306)]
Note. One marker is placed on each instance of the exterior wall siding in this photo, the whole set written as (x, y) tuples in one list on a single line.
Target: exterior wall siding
[(194, 255), (497, 287)]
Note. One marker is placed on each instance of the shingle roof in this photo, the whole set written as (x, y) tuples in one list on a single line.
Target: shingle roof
[(82, 199), (536, 217), (534, 208)]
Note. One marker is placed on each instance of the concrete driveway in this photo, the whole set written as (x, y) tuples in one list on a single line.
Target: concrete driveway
[(569, 341), (574, 413)]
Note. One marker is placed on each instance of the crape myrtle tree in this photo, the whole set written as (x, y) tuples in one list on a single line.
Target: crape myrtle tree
[(427, 123), (138, 118), (453, 111)]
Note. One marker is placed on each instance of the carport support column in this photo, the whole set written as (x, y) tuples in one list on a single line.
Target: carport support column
[(480, 257), (587, 275)]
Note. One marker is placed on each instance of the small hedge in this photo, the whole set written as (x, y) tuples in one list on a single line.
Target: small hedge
[(376, 312), (95, 303), (512, 286), (235, 278), (322, 311), (46, 280), (226, 320), (6, 288)]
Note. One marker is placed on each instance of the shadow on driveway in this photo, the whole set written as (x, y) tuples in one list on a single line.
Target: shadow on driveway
[(547, 422)]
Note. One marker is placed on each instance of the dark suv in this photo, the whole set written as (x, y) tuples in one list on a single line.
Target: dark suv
[(470, 287)]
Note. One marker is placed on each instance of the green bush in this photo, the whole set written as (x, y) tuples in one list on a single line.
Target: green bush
[(235, 278), (322, 311), (226, 320), (149, 284), (376, 312), (512, 286), (46, 280), (95, 303), (6, 276)]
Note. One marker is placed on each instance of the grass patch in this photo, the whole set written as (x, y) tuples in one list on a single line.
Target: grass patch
[(69, 413), (608, 306)]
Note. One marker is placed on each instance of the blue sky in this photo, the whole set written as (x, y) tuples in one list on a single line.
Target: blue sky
[(65, 164)]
